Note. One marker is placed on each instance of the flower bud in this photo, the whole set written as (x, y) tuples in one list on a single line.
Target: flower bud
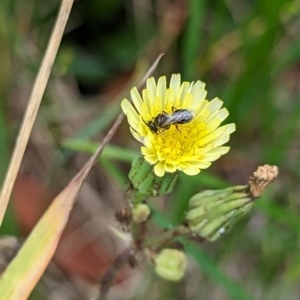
[(140, 213), (212, 213), (170, 264), (146, 182)]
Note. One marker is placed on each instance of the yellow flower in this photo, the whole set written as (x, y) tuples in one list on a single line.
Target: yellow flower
[(172, 145)]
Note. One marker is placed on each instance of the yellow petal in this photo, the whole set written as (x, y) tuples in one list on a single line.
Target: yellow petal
[(191, 171), (136, 99), (132, 116), (187, 101), (221, 140), (161, 89), (220, 150), (181, 95), (146, 151), (214, 105), (201, 109), (175, 83), (199, 94), (151, 87), (170, 99), (136, 135), (201, 164), (159, 169), (195, 87), (215, 120), (221, 115), (151, 159), (128, 108), (148, 100), (170, 168)]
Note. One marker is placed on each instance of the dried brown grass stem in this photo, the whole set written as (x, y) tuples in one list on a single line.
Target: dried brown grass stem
[(34, 104)]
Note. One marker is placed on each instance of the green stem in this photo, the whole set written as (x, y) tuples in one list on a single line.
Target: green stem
[(110, 275), (134, 196), (167, 236)]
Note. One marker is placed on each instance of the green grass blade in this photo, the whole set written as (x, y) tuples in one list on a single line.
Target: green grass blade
[(208, 266)]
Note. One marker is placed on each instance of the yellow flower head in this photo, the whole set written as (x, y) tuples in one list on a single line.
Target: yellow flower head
[(178, 127)]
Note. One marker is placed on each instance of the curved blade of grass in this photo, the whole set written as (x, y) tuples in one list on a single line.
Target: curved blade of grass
[(25, 270), (28, 266), (208, 266), (110, 152), (192, 37), (33, 104)]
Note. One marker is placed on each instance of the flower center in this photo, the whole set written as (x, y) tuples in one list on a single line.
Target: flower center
[(179, 143)]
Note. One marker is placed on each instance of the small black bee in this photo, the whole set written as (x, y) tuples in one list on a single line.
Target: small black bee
[(164, 120), (153, 127)]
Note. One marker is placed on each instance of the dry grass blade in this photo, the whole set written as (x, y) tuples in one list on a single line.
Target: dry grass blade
[(25, 270), (33, 104), (27, 267)]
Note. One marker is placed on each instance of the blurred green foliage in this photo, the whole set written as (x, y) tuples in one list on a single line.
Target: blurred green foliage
[(247, 52)]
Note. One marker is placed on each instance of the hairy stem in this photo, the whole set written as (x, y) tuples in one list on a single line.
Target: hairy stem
[(109, 277), (166, 236)]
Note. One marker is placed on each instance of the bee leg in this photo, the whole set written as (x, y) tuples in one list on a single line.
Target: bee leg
[(174, 108), (177, 127), (163, 129)]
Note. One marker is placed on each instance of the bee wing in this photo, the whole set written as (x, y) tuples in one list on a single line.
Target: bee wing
[(181, 116)]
